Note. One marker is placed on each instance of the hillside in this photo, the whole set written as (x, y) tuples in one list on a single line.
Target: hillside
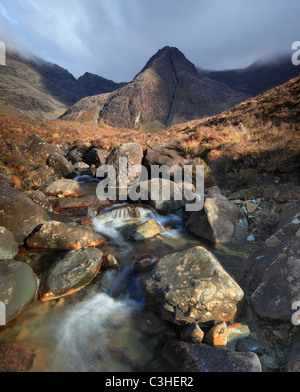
[(168, 90), (34, 88)]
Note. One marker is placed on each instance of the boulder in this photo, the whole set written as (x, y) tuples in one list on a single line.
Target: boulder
[(64, 188), (134, 154), (55, 235), (70, 273), (266, 253), (61, 166), (168, 154), (192, 287), (18, 213), (201, 358), (289, 213), (97, 157), (8, 246), (148, 229), (162, 195), (18, 287), (280, 287), (82, 206), (219, 222)]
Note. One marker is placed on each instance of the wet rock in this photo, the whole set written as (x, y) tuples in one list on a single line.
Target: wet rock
[(147, 254), (64, 188), (61, 166), (15, 358), (18, 286), (217, 335), (202, 358), (250, 345), (55, 235), (280, 286), (269, 361), (18, 213), (219, 222), (134, 154), (8, 246), (192, 334), (192, 287), (70, 273), (148, 229), (235, 333), (82, 206), (163, 195), (110, 262)]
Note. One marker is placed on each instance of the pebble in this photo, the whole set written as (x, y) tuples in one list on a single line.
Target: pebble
[(217, 335), (251, 239)]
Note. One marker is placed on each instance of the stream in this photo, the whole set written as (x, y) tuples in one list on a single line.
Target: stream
[(107, 327)]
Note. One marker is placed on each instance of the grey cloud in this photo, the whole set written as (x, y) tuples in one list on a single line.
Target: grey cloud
[(116, 38)]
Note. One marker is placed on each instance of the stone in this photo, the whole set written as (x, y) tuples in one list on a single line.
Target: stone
[(289, 213), (266, 253), (70, 273), (38, 197), (110, 262), (168, 154), (251, 207), (220, 222), (15, 358), (192, 287), (280, 286), (250, 345), (18, 287), (55, 235), (293, 360), (217, 335), (133, 152), (202, 358), (82, 206), (64, 188), (8, 246), (61, 166), (97, 157), (81, 167), (148, 229), (235, 333), (18, 213), (251, 239), (192, 334), (162, 195)]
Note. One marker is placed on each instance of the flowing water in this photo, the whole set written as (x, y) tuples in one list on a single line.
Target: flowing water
[(107, 326)]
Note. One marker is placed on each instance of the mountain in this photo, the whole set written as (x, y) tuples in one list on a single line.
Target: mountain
[(258, 77), (168, 90), (35, 88)]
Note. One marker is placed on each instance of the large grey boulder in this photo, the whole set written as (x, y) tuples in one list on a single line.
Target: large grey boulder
[(220, 221), (61, 166), (64, 188), (133, 152), (18, 287), (205, 359), (70, 273), (8, 246), (18, 213), (192, 287), (280, 287), (55, 235)]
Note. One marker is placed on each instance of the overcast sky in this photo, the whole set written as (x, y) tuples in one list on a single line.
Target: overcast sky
[(115, 38)]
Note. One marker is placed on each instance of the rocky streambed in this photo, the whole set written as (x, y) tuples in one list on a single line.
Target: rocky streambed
[(99, 286)]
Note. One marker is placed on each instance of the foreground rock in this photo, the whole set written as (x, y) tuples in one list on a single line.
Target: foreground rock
[(59, 236), (280, 287), (82, 206), (61, 166), (71, 273), (8, 246), (18, 213), (64, 188), (202, 358), (192, 287), (18, 286), (15, 358), (133, 152), (220, 221), (148, 229)]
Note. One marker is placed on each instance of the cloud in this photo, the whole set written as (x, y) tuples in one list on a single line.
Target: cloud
[(115, 38)]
